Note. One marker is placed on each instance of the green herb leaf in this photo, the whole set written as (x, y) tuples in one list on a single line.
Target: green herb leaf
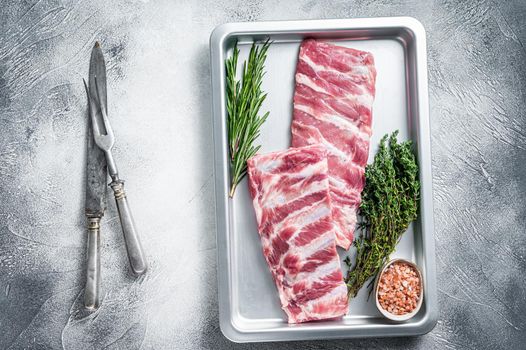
[(244, 99), (389, 205)]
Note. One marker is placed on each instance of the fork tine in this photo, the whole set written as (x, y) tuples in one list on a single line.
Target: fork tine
[(86, 88), (107, 126)]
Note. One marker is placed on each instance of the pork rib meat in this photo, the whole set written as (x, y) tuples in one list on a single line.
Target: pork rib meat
[(335, 88), (290, 191)]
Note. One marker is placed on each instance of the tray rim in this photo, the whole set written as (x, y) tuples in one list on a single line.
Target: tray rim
[(218, 38)]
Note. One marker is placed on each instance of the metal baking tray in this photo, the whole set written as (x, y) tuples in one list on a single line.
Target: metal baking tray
[(249, 308)]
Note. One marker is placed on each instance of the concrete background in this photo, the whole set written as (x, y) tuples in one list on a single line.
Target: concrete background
[(159, 100)]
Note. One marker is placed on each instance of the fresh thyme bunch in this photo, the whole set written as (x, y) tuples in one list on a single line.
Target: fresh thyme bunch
[(244, 99), (389, 205)]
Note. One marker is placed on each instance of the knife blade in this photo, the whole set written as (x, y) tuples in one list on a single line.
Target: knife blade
[(97, 69), (95, 201), (96, 178)]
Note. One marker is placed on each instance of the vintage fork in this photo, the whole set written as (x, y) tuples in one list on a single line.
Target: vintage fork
[(105, 141)]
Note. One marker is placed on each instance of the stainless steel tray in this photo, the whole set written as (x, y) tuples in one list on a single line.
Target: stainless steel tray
[(249, 307)]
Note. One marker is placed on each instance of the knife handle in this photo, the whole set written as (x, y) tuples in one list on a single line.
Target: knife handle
[(131, 238), (92, 289)]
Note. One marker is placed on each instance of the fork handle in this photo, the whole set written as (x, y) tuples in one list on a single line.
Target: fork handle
[(131, 238), (92, 288)]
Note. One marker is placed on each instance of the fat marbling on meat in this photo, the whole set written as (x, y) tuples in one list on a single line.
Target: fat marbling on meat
[(290, 192), (333, 98)]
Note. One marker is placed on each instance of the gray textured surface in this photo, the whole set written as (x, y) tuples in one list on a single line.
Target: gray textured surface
[(157, 55)]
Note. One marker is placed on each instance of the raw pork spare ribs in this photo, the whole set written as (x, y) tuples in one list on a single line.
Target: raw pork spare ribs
[(290, 191), (333, 99)]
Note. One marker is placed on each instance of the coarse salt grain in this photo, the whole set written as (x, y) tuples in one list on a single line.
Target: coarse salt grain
[(399, 288)]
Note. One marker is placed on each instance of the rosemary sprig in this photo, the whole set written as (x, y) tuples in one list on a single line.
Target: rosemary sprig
[(389, 205), (244, 99)]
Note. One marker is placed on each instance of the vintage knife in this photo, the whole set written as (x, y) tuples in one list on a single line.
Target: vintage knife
[(96, 179), (104, 138)]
